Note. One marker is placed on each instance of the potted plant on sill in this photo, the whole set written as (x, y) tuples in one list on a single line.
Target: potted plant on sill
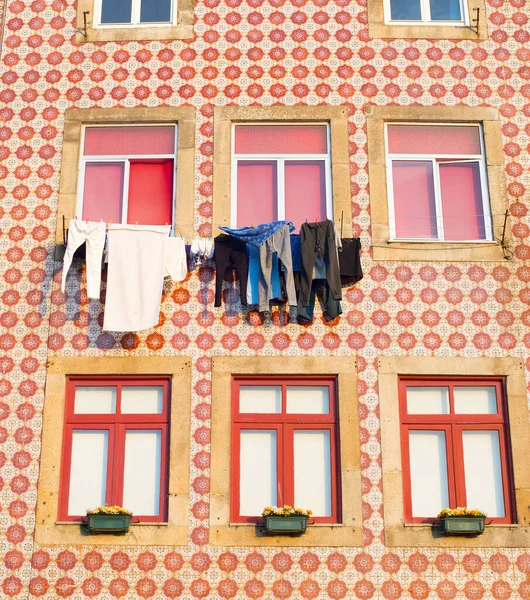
[(108, 519), (285, 519), (462, 521)]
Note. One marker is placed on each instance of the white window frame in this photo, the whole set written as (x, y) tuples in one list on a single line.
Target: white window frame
[(118, 158), (435, 159), (426, 15), (135, 16), (280, 160)]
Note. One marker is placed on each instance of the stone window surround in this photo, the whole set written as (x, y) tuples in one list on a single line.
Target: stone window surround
[(377, 28), (50, 532), (75, 118), (384, 249), (397, 533), (183, 30), (336, 116), (224, 533)]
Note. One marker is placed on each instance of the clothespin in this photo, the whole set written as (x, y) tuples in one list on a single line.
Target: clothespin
[(110, 222), (136, 224), (181, 236), (306, 220)]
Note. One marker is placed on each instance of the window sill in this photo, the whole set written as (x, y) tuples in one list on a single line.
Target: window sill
[(153, 524), (439, 251)]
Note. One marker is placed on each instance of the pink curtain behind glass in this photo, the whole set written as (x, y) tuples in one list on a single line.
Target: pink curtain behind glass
[(414, 207), (129, 141), (150, 193), (305, 191), (435, 140), (463, 213), (281, 139), (103, 192), (257, 200)]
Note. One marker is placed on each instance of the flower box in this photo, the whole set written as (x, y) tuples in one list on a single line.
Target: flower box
[(290, 524), (108, 523), (463, 525)]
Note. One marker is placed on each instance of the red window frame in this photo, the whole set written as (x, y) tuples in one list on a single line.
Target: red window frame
[(453, 425), (285, 424), (117, 425)]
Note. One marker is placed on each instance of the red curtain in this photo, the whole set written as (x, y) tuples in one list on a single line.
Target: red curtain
[(151, 193), (257, 199), (129, 141), (305, 191), (103, 191)]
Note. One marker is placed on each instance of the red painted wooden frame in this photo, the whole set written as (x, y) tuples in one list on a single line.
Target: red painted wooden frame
[(453, 425), (284, 424), (117, 424)]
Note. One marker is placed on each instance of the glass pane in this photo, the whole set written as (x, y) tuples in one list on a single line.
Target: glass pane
[(260, 399), (88, 471), (142, 399), (153, 180), (308, 399), (414, 204), (141, 473), (428, 400), (463, 211), (312, 471), (116, 11), (479, 400), (95, 400), (405, 10), (435, 140), (281, 139), (445, 10), (482, 464), (257, 192), (305, 191), (258, 477), (428, 473), (155, 11), (131, 140), (103, 192)]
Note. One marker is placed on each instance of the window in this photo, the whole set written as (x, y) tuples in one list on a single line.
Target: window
[(281, 172), (455, 447), (128, 174), (115, 446), (426, 11), (284, 447), (134, 12)]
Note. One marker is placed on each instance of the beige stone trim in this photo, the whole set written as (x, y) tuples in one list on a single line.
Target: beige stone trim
[(222, 532), (75, 118), (496, 536), (387, 250), (336, 116), (377, 28), (48, 532), (183, 30)]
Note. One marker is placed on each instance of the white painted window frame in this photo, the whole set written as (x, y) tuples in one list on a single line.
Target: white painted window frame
[(135, 17), (118, 158), (453, 158), (280, 160), (426, 16)]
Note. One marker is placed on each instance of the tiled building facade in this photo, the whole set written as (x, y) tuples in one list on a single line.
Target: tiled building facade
[(442, 310)]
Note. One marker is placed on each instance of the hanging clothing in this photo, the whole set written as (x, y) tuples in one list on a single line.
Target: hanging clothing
[(259, 234), (230, 252), (201, 248), (135, 276), (254, 274), (279, 243), (296, 252), (350, 261), (176, 266), (93, 234), (320, 289)]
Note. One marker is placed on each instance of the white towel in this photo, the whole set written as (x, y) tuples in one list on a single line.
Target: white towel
[(135, 276), (176, 265)]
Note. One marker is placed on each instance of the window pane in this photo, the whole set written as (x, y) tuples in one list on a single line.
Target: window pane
[(141, 474), (482, 464), (281, 139), (414, 205), (463, 211), (260, 399), (435, 140), (312, 471), (103, 192), (476, 400), (150, 193), (445, 10), (142, 399), (405, 10), (308, 399), (132, 140), (88, 471), (116, 11), (428, 400), (155, 11), (95, 400), (428, 473), (257, 192), (305, 191), (258, 475)]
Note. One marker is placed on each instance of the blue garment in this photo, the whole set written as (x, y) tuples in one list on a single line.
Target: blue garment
[(257, 235), (253, 276), (296, 252)]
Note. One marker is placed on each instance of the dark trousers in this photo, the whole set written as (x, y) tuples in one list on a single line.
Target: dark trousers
[(320, 290), (350, 261), (230, 252)]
